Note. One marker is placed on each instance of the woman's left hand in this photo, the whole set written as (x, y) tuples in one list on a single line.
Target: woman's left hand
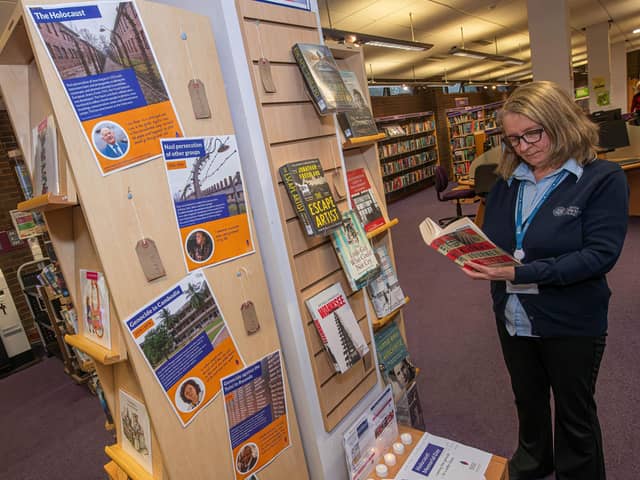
[(482, 272)]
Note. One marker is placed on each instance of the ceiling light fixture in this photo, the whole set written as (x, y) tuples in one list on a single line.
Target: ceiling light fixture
[(374, 40), (637, 30), (463, 52)]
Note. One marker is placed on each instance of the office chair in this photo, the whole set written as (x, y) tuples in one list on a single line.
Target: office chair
[(441, 184), (485, 178)]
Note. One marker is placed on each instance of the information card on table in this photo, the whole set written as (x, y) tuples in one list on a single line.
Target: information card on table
[(438, 458), (370, 436)]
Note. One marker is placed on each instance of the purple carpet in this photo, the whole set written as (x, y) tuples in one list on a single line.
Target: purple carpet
[(463, 383), (50, 427)]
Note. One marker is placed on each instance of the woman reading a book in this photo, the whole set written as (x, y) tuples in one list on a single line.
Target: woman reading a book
[(563, 215)]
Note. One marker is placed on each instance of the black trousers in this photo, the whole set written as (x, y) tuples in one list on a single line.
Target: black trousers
[(568, 366)]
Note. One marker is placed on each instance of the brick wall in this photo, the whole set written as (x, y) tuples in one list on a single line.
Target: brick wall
[(10, 196)]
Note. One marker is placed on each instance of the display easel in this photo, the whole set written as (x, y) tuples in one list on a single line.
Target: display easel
[(96, 229)]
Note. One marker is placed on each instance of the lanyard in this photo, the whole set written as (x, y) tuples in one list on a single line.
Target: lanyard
[(521, 227)]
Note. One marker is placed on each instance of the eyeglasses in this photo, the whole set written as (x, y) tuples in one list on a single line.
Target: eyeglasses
[(530, 137)]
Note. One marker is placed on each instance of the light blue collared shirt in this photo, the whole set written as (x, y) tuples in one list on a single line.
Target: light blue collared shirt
[(517, 322)]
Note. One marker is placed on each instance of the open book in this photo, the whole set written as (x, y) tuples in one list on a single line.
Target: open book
[(462, 241)]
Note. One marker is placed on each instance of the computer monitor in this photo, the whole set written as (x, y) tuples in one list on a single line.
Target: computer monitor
[(613, 129)]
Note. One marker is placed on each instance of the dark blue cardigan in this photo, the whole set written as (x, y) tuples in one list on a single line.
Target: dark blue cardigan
[(572, 242)]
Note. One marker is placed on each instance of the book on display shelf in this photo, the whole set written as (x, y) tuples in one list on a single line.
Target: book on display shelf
[(45, 159), (463, 241), (409, 408), (338, 328), (358, 122), (354, 251), (322, 78), (393, 359), (364, 200), (384, 289), (311, 196)]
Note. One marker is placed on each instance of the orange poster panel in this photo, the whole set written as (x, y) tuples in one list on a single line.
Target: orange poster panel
[(186, 342), (207, 188), (102, 55), (255, 405)]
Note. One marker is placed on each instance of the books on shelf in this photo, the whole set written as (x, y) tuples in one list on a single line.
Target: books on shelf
[(45, 157), (364, 200), (393, 130), (338, 328), (359, 121), (462, 241), (311, 196), (24, 180), (393, 359), (354, 251), (322, 78), (384, 289)]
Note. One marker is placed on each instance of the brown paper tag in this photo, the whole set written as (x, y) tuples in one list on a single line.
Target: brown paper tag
[(149, 259), (199, 100), (250, 317), (264, 67)]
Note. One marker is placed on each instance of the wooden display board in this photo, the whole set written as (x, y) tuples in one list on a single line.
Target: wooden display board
[(97, 229), (294, 131)]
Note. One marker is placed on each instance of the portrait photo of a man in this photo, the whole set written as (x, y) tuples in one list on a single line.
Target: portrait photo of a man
[(111, 140)]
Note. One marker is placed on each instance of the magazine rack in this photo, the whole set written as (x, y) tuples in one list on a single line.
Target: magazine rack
[(94, 228)]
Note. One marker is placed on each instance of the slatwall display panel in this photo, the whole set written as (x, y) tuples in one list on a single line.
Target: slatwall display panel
[(294, 131)]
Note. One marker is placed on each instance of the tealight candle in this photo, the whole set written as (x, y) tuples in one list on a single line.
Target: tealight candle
[(406, 438), (381, 470), (390, 459), (398, 448)]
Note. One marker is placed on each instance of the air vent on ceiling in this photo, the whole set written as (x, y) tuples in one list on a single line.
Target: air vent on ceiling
[(484, 43)]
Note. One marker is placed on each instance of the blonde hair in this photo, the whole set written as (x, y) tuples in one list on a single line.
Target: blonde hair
[(571, 133)]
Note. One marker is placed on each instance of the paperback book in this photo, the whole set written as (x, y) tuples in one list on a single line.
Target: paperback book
[(354, 251), (24, 180), (409, 409), (337, 327), (95, 298), (322, 78), (462, 241), (384, 289), (311, 196), (45, 159), (393, 359), (364, 200), (359, 121), (136, 430)]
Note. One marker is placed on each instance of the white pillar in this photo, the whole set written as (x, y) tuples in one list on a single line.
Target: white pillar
[(550, 40), (619, 77), (599, 61)]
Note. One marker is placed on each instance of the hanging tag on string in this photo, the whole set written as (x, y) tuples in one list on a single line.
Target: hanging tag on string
[(199, 101), (338, 180), (197, 92), (146, 249), (248, 309), (264, 67), (149, 259)]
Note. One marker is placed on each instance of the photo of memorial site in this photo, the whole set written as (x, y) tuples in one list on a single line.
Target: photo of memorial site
[(114, 42), (177, 324)]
